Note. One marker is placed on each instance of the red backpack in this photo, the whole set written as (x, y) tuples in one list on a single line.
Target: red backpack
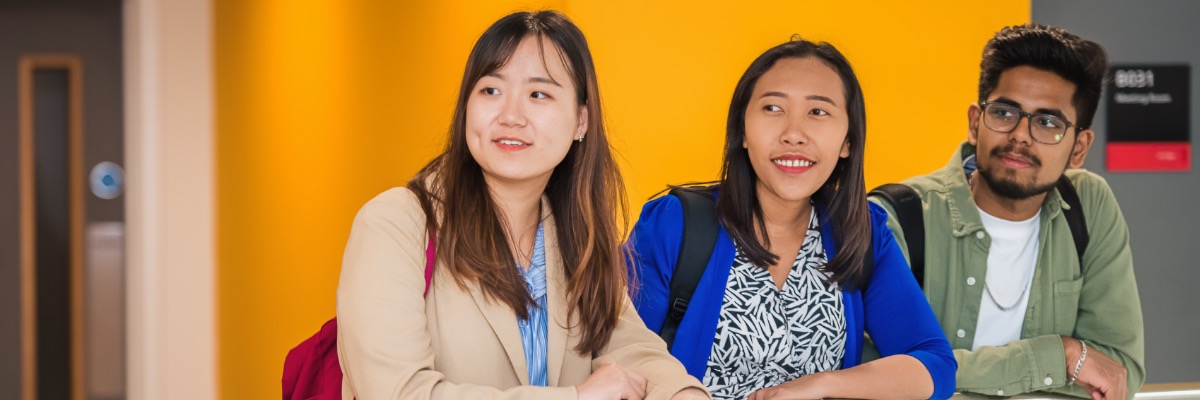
[(311, 370)]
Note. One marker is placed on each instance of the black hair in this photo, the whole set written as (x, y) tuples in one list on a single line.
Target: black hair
[(1052, 49), (843, 194)]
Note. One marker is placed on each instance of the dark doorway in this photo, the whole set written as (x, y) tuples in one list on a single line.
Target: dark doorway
[(62, 319)]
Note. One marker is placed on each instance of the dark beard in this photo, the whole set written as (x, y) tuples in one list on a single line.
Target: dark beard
[(1008, 187)]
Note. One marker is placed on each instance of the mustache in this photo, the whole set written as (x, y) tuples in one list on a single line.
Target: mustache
[(1012, 148)]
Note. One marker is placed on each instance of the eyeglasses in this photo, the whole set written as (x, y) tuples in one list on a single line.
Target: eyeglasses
[(1044, 128)]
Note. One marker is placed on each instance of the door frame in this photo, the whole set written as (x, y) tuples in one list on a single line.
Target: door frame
[(27, 66)]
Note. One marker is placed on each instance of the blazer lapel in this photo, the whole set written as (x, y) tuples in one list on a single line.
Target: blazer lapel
[(556, 302), (504, 324)]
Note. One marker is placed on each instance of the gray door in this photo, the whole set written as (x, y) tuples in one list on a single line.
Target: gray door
[(61, 207)]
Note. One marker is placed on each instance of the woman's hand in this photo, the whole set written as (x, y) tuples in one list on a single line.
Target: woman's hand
[(898, 376), (805, 387), (612, 382), (691, 394)]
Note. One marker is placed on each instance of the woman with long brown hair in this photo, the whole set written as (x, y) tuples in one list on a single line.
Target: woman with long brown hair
[(786, 295), (527, 298)]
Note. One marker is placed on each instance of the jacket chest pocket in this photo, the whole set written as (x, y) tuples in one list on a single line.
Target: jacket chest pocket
[(1066, 305)]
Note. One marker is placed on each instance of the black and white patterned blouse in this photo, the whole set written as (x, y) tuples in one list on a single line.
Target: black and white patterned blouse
[(766, 336)]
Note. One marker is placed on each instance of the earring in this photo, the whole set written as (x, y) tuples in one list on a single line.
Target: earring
[(579, 138)]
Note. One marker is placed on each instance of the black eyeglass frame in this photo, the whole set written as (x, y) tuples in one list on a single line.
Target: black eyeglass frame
[(1021, 114)]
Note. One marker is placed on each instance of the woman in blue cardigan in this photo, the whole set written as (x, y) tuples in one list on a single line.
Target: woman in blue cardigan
[(782, 305)]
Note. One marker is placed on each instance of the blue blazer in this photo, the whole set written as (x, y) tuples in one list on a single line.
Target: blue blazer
[(892, 308)]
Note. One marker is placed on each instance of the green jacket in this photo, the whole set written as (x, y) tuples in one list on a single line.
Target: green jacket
[(1096, 302)]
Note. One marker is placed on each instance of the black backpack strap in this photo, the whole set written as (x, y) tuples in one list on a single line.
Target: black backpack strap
[(911, 214), (699, 239), (1074, 216)]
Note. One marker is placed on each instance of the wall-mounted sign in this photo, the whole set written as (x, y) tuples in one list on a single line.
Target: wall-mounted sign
[(1149, 129)]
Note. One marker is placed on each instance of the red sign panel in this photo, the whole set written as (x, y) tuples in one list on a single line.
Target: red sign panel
[(1149, 156)]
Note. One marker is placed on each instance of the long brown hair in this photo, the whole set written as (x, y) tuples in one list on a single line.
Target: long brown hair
[(586, 193), (843, 195)]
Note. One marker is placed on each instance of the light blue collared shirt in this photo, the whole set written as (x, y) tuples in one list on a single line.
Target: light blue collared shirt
[(533, 330)]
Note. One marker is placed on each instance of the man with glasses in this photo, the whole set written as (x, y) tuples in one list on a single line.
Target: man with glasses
[(1025, 309)]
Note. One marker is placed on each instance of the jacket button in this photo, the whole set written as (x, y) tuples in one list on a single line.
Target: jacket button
[(962, 333), (970, 281), (999, 392), (979, 234), (1049, 381)]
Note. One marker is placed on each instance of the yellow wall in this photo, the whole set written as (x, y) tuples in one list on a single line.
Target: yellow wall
[(323, 104)]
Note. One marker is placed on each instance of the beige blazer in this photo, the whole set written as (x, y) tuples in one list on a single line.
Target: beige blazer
[(393, 343)]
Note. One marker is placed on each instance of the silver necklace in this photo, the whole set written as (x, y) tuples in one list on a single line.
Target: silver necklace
[(986, 288), (1002, 307)]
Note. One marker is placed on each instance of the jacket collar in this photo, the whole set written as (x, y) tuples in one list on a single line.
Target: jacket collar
[(964, 213)]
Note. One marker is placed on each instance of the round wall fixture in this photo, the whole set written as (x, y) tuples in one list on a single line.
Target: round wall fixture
[(107, 180)]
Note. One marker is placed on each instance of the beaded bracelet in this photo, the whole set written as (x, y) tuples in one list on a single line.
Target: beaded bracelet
[(1078, 364)]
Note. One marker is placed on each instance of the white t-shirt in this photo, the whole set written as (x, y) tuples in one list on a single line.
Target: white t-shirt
[(1010, 267)]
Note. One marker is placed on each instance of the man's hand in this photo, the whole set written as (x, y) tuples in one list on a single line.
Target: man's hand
[(1100, 376)]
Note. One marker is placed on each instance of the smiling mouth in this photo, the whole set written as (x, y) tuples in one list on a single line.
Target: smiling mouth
[(511, 144), (793, 163)]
